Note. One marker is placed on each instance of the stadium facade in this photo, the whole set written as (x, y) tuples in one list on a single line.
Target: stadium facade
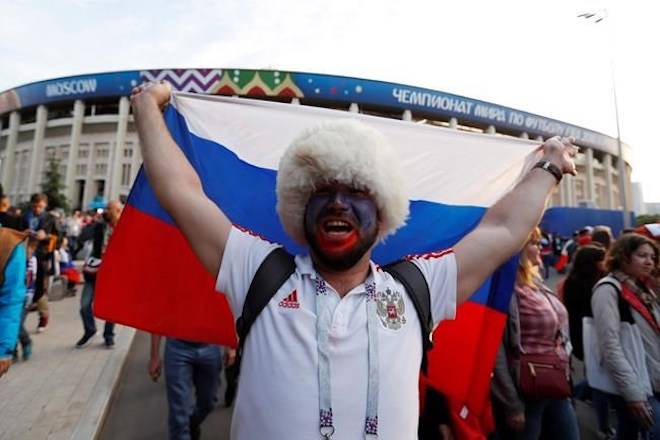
[(85, 122)]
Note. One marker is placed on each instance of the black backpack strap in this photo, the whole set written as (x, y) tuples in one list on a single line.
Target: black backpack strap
[(408, 274), (625, 314), (272, 273)]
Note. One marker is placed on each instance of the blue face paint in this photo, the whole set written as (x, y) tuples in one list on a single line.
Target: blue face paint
[(341, 225)]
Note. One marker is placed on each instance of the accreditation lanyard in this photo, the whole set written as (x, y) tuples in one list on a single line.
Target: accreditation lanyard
[(324, 312)]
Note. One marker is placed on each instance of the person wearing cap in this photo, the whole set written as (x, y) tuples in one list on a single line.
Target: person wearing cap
[(320, 358), (100, 233)]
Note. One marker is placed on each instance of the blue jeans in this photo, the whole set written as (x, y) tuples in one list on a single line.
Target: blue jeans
[(544, 419), (87, 316), (189, 364), (627, 427), (23, 335)]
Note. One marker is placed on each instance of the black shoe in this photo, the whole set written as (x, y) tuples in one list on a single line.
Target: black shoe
[(195, 431), (109, 343), (85, 339)]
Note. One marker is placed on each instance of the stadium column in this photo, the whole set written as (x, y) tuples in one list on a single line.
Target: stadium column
[(76, 132), (8, 176), (563, 200), (453, 123), (589, 174), (36, 155), (567, 191), (490, 130), (115, 169), (607, 163)]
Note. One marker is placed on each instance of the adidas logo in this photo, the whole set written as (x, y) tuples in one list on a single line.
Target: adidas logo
[(291, 301)]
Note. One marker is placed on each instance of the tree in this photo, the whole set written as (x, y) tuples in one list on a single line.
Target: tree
[(645, 219), (53, 185)]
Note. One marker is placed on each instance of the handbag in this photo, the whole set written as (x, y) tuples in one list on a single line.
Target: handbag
[(544, 375)]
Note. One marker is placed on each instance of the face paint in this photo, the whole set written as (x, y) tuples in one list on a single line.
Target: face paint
[(341, 225)]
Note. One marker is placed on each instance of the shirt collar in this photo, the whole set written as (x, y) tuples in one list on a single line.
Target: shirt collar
[(305, 266)]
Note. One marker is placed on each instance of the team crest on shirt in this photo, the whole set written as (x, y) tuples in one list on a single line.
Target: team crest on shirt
[(391, 309)]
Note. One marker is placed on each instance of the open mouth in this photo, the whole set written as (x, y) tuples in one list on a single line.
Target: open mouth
[(337, 228), (336, 236)]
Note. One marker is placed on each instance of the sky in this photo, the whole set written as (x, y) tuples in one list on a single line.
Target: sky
[(533, 55)]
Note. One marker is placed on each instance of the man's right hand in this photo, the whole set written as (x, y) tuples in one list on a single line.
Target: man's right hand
[(154, 368), (4, 365), (641, 411), (157, 91), (516, 421)]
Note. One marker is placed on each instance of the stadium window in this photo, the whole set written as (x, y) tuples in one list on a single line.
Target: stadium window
[(83, 153), (28, 115), (59, 112), (126, 174), (100, 168), (102, 150), (81, 169), (128, 152), (579, 189), (50, 152), (107, 109)]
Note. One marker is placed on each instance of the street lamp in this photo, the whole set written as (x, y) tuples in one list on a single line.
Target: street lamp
[(597, 17)]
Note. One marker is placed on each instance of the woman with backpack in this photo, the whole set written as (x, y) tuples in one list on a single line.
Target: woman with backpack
[(626, 318)]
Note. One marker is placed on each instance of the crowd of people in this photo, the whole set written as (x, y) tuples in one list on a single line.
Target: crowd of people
[(51, 242), (607, 295), (45, 244)]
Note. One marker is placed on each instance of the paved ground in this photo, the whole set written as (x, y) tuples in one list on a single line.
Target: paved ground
[(138, 410), (61, 392)]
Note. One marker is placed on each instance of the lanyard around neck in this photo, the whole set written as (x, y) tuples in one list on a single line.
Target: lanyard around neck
[(323, 322)]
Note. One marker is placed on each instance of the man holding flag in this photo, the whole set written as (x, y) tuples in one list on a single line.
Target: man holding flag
[(335, 350)]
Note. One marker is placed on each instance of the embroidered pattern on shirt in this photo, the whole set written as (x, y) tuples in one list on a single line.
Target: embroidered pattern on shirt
[(321, 288), (391, 309), (429, 255), (370, 288), (291, 301), (371, 426)]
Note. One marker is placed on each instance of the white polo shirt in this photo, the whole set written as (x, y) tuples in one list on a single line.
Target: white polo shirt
[(278, 395)]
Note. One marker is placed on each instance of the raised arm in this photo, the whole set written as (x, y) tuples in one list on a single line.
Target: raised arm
[(174, 181), (506, 225)]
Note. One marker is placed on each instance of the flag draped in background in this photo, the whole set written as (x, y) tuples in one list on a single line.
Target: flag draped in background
[(151, 280)]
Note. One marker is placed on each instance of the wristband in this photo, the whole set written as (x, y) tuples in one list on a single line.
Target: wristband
[(551, 168)]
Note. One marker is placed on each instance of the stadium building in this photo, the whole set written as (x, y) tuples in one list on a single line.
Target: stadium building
[(85, 122)]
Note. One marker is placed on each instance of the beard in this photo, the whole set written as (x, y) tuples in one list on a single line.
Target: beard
[(344, 260)]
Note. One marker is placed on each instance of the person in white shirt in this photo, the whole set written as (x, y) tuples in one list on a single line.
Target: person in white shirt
[(336, 352)]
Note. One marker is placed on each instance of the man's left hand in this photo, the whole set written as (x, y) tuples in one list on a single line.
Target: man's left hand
[(561, 152)]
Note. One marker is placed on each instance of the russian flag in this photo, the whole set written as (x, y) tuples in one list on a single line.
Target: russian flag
[(151, 280)]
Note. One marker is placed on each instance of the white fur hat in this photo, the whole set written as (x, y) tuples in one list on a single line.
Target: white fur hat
[(347, 152)]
